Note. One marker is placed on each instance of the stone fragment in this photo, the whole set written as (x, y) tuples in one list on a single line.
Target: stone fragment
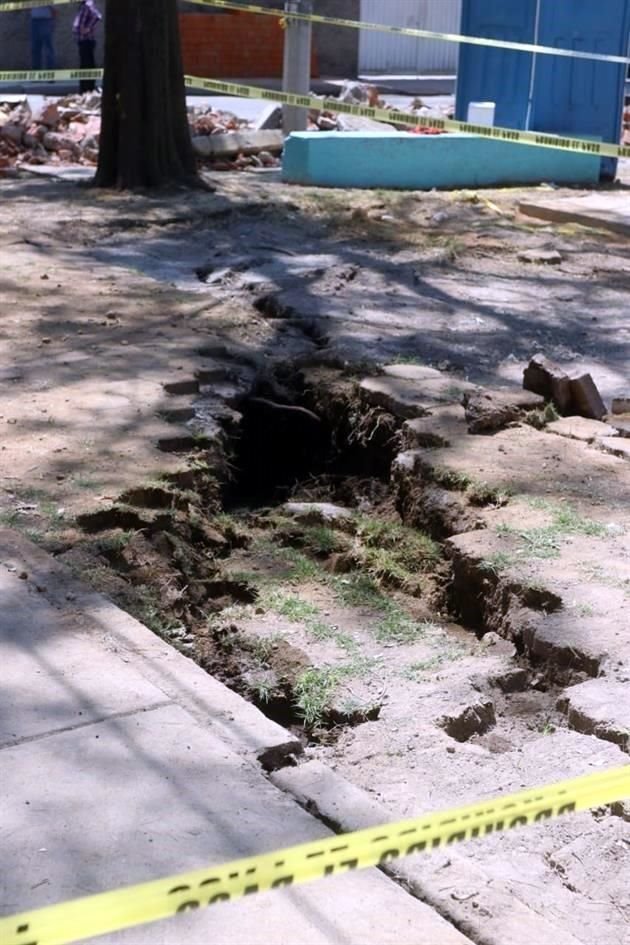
[(544, 377), (355, 92), (581, 428), (270, 119), (407, 390), (599, 707), (48, 115), (620, 423), (317, 513), (359, 123), (267, 159), (585, 398), (619, 446), (56, 141), (620, 405), (474, 719), (12, 132), (327, 123), (490, 410), (549, 257), (235, 143)]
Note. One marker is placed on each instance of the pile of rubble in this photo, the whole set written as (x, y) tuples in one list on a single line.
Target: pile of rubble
[(61, 132), (67, 131), (359, 93)]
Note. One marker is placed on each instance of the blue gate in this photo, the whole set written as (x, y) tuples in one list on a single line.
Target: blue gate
[(541, 92)]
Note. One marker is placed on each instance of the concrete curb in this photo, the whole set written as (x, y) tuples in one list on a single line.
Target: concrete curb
[(477, 905), (241, 726)]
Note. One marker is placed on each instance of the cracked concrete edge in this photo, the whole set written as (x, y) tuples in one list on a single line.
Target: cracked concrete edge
[(239, 724), (492, 915)]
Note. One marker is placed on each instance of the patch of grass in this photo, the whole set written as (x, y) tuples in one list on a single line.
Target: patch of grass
[(570, 522), (388, 553), (298, 567), (9, 518), (324, 631), (497, 562), (413, 549), (480, 493), (263, 647), (583, 610), (452, 479), (263, 689), (147, 608), (545, 541), (322, 540), (398, 627), (451, 652), (359, 590), (116, 541), (314, 689), (288, 605), (313, 692), (307, 614), (540, 417)]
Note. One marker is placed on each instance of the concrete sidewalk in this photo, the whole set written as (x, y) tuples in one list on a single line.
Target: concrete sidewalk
[(122, 762)]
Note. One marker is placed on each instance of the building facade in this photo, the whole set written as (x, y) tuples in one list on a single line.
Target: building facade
[(226, 44)]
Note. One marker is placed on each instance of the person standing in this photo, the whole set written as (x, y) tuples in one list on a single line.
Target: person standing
[(42, 31), (84, 28)]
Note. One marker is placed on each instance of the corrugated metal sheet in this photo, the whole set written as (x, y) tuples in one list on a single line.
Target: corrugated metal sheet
[(382, 52)]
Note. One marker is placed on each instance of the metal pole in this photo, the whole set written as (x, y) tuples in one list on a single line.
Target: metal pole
[(297, 63)]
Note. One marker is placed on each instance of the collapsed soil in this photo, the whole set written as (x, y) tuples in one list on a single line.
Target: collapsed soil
[(352, 631)]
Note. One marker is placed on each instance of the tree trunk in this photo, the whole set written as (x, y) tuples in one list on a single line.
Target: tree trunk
[(145, 140)]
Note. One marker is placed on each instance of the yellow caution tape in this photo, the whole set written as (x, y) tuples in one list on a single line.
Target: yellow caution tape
[(51, 75), (147, 902), (14, 6), (410, 31), (283, 15), (536, 138)]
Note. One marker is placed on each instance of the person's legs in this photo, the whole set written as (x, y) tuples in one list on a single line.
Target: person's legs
[(87, 60), (47, 44), (36, 44)]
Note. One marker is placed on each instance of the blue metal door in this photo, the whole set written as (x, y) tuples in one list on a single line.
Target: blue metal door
[(548, 93), (574, 95), (496, 75)]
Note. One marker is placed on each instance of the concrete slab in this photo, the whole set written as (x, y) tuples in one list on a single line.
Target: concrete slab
[(54, 676), (78, 610), (72, 173), (599, 707), (136, 789), (581, 428), (408, 390), (419, 162), (129, 800), (604, 211), (496, 917)]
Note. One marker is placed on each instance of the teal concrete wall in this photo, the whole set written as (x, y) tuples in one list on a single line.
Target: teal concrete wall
[(421, 162)]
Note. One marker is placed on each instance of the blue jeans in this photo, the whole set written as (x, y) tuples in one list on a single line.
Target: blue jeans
[(42, 43)]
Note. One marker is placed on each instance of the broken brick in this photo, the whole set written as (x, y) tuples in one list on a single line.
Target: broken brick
[(544, 377), (586, 399)]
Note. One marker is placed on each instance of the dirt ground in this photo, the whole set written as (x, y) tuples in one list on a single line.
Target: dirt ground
[(242, 415)]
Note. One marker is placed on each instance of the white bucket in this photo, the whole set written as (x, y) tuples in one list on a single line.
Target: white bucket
[(481, 113)]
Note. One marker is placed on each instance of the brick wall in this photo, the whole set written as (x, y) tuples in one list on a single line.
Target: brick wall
[(335, 49), (233, 44)]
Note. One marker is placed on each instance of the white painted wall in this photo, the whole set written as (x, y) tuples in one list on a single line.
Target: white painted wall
[(388, 53)]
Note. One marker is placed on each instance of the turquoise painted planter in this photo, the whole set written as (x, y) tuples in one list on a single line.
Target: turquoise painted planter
[(422, 162)]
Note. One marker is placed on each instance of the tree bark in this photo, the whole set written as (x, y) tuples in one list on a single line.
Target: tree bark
[(145, 139)]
